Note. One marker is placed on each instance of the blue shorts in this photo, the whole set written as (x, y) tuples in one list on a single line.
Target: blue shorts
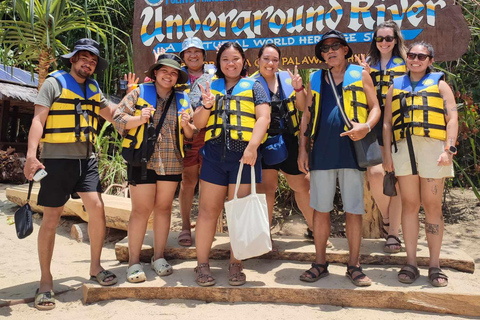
[(224, 171)]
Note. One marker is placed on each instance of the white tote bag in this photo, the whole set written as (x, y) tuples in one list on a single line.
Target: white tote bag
[(247, 220)]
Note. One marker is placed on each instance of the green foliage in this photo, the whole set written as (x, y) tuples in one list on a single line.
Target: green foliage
[(111, 165)]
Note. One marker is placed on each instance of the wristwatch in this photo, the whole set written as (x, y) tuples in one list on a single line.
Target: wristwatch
[(452, 150)]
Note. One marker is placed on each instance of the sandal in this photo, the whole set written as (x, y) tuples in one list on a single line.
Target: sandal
[(185, 238), (357, 280), (309, 235), (238, 278), (105, 274), (434, 274), (161, 267), (44, 300), (312, 277), (136, 274), (411, 272), (392, 247), (203, 279)]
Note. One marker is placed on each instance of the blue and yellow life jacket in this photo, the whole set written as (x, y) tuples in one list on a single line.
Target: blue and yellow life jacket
[(73, 116), (419, 110), (383, 79), (354, 98), (148, 98), (240, 111), (288, 112)]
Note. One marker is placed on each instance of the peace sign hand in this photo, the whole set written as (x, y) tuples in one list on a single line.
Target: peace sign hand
[(157, 52), (207, 97), (361, 60), (132, 82), (297, 81)]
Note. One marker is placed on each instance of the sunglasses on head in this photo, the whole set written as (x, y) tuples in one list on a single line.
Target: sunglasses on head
[(387, 38), (420, 56), (169, 56), (335, 46)]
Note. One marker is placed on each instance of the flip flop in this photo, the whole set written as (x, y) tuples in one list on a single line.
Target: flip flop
[(102, 275), (185, 238), (41, 298), (161, 267)]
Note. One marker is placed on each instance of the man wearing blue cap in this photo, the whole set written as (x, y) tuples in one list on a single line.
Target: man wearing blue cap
[(332, 154), (66, 121)]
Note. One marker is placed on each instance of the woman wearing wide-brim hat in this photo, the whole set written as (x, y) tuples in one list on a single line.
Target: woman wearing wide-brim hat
[(153, 189)]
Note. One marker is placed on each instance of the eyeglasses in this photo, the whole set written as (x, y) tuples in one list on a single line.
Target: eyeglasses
[(387, 38), (335, 46), (420, 56)]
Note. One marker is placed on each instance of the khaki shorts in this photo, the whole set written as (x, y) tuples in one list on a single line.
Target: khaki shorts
[(427, 151)]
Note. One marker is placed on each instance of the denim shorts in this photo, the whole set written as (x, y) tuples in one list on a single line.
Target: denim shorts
[(221, 167)]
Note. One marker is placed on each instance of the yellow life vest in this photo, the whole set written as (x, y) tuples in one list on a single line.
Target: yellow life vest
[(419, 110), (288, 112), (148, 98), (237, 117), (73, 116), (383, 79), (354, 98)]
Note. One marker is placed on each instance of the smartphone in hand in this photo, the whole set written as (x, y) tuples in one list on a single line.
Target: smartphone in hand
[(39, 175)]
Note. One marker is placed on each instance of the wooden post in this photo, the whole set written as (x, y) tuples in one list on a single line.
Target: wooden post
[(372, 218), (4, 120)]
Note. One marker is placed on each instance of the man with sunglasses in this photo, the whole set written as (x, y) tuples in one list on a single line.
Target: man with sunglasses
[(332, 153), (66, 121)]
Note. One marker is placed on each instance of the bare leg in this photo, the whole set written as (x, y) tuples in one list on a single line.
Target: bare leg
[(301, 186), (321, 232), (143, 200), (268, 187), (162, 215), (390, 207), (432, 192), (46, 243), (187, 192), (410, 188), (212, 198), (96, 228)]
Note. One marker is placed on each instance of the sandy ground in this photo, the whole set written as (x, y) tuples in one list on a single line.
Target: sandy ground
[(20, 272)]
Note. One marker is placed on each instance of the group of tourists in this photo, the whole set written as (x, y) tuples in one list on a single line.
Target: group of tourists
[(193, 121)]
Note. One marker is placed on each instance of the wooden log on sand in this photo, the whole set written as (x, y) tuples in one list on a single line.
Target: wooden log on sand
[(372, 219)]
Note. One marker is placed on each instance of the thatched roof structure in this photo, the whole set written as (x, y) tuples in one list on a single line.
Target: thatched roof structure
[(17, 92)]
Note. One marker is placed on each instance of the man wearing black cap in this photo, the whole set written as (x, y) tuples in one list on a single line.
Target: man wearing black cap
[(66, 121), (332, 154)]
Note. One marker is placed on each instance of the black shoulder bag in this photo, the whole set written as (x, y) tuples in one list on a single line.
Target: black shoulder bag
[(367, 150), (23, 217)]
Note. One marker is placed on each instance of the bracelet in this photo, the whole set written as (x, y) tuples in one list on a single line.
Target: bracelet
[(207, 108), (301, 89), (369, 128)]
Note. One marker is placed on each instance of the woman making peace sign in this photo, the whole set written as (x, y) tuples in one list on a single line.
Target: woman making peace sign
[(236, 115)]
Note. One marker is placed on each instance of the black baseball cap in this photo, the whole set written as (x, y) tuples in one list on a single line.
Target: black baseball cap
[(332, 34)]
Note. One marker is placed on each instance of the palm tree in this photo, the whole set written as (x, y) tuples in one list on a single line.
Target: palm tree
[(36, 30)]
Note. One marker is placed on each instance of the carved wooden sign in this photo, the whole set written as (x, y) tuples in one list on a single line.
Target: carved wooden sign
[(294, 25)]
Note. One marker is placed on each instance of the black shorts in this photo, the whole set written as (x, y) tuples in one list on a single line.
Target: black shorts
[(290, 165), (135, 176), (65, 177)]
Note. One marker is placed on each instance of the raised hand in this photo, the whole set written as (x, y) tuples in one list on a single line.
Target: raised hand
[(361, 60), (131, 81), (208, 97), (157, 52), (297, 82)]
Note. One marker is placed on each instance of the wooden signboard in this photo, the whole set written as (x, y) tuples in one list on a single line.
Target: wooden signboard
[(294, 25)]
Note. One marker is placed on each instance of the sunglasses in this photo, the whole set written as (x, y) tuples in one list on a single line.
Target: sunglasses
[(387, 38), (420, 56), (169, 56), (335, 46)]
